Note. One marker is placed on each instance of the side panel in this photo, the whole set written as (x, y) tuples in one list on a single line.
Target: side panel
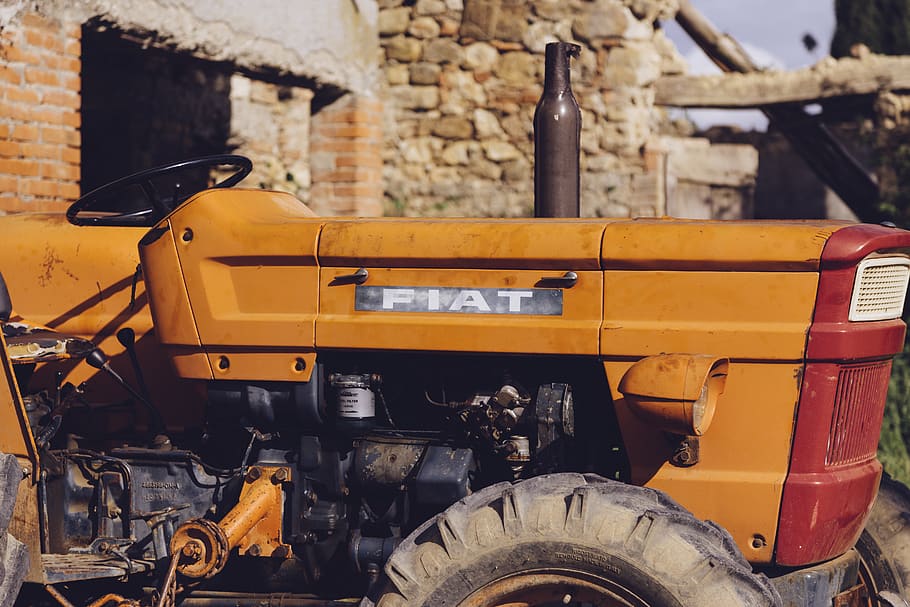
[(759, 320), (248, 263), (745, 315), (411, 323)]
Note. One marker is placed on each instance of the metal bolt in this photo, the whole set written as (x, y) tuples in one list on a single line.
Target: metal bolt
[(280, 475), (192, 550), (254, 550), (253, 474)]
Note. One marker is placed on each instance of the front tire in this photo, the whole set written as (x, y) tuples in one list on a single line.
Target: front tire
[(884, 546), (569, 539)]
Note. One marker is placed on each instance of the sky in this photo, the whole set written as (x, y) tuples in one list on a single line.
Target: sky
[(771, 31)]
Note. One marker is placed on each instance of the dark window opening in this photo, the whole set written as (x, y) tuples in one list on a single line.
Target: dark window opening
[(144, 107)]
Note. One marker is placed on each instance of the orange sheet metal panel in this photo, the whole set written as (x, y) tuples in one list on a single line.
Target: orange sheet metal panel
[(744, 454), (668, 244), (79, 280), (175, 326), (463, 243), (248, 259), (757, 318), (424, 326), (461, 285), (756, 315)]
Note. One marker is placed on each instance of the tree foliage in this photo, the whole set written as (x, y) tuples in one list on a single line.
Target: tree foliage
[(882, 25)]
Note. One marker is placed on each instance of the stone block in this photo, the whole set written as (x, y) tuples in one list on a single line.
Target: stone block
[(552, 10), (448, 27), (725, 164), (424, 73), (402, 48), (602, 19), (512, 22), (653, 10), (424, 28), (486, 124), (444, 50), (456, 153), (415, 97), (417, 151), (453, 127), (517, 171), (479, 19), (517, 68), (397, 74), (635, 66), (538, 35), (500, 151), (394, 21), (503, 20), (462, 91), (481, 56), (430, 7)]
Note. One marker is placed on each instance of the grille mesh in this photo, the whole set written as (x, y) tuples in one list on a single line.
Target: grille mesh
[(858, 409), (879, 289)]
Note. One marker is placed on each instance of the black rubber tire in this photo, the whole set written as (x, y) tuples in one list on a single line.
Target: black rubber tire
[(636, 543), (884, 546)]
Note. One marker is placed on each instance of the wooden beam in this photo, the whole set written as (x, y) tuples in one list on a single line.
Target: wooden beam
[(810, 139), (834, 78)]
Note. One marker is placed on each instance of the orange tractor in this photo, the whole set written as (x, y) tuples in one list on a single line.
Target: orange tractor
[(298, 410)]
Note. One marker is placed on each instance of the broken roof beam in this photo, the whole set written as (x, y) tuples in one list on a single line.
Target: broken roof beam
[(831, 78), (821, 150)]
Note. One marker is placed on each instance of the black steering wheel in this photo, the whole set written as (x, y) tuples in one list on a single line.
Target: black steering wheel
[(144, 198)]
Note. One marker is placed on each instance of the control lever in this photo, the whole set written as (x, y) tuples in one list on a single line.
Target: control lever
[(98, 359), (127, 339)]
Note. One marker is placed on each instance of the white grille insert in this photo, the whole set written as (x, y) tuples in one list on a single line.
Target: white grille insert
[(880, 288)]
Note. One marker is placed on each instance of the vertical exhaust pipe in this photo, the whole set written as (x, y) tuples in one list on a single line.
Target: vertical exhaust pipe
[(557, 138)]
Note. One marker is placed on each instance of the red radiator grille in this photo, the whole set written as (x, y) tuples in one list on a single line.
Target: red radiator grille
[(858, 409)]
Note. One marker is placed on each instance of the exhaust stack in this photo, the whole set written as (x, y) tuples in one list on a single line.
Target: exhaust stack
[(557, 134)]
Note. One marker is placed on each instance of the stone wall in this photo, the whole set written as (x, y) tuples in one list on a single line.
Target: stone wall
[(462, 78), (39, 113), (709, 181), (270, 124)]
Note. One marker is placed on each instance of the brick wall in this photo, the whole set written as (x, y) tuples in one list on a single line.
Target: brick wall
[(39, 114), (346, 157)]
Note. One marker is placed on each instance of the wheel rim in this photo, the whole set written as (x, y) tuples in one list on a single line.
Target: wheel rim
[(563, 589)]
